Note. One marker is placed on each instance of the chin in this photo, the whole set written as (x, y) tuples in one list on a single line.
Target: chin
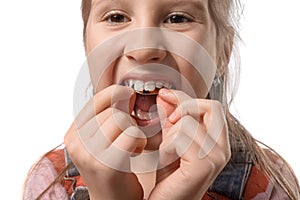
[(154, 142)]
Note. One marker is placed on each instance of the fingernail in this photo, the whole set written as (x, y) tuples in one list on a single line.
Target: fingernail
[(163, 92)]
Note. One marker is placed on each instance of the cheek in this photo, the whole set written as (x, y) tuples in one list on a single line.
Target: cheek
[(101, 59), (95, 35), (91, 40), (196, 81), (200, 76), (193, 82), (102, 81)]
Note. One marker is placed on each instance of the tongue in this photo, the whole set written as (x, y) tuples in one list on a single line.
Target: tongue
[(144, 102)]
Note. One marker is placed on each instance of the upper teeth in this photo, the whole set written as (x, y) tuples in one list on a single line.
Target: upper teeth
[(139, 85)]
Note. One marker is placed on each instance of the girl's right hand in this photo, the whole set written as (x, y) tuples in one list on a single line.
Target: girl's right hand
[(100, 142)]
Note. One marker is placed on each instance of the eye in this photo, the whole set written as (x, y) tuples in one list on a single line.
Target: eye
[(178, 18), (115, 18)]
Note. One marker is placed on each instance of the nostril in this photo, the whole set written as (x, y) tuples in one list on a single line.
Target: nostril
[(155, 59), (130, 57), (146, 55)]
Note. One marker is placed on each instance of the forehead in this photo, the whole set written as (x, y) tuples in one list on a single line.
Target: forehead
[(196, 3)]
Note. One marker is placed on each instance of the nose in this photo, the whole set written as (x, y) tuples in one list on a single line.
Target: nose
[(146, 55), (145, 45)]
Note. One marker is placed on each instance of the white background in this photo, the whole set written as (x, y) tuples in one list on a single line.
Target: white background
[(41, 53)]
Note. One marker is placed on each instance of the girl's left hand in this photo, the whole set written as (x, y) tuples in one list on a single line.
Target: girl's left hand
[(195, 136)]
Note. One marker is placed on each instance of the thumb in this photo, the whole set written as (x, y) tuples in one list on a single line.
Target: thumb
[(165, 109), (126, 105)]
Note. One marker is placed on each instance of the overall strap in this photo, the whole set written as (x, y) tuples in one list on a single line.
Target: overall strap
[(77, 190), (232, 180), (72, 171)]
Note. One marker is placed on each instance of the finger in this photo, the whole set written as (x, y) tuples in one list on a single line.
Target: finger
[(117, 122), (192, 107), (170, 148), (132, 140), (174, 97), (208, 140), (104, 99), (192, 168), (205, 139), (208, 145), (187, 132), (166, 107), (164, 110), (186, 124), (95, 143), (209, 112), (180, 147), (189, 126), (108, 131), (167, 101), (74, 145), (117, 155), (91, 127), (70, 135), (215, 121)]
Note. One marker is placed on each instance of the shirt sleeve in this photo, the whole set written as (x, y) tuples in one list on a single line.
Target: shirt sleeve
[(39, 179), (273, 190), (277, 191)]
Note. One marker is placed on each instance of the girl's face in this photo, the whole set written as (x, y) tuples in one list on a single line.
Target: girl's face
[(150, 43), (109, 18)]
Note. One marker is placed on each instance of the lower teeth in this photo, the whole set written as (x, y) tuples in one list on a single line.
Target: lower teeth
[(142, 115)]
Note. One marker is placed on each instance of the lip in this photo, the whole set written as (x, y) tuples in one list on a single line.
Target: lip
[(150, 122), (149, 127)]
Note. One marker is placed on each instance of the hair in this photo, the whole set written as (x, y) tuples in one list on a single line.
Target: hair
[(225, 15)]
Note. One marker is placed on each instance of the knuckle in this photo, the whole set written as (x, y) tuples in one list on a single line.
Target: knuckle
[(187, 118), (135, 132), (228, 155), (122, 119), (68, 139), (217, 105), (224, 156), (177, 92)]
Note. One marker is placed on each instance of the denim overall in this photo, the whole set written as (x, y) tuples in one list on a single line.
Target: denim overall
[(230, 182)]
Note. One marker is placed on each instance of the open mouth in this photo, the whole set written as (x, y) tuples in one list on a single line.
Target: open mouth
[(145, 108)]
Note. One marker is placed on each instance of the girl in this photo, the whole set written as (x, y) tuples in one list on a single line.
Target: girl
[(158, 125)]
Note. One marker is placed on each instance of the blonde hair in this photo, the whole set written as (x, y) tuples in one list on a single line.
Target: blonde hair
[(225, 15)]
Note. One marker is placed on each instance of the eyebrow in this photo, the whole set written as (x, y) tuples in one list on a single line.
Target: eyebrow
[(94, 3), (97, 3), (197, 4)]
